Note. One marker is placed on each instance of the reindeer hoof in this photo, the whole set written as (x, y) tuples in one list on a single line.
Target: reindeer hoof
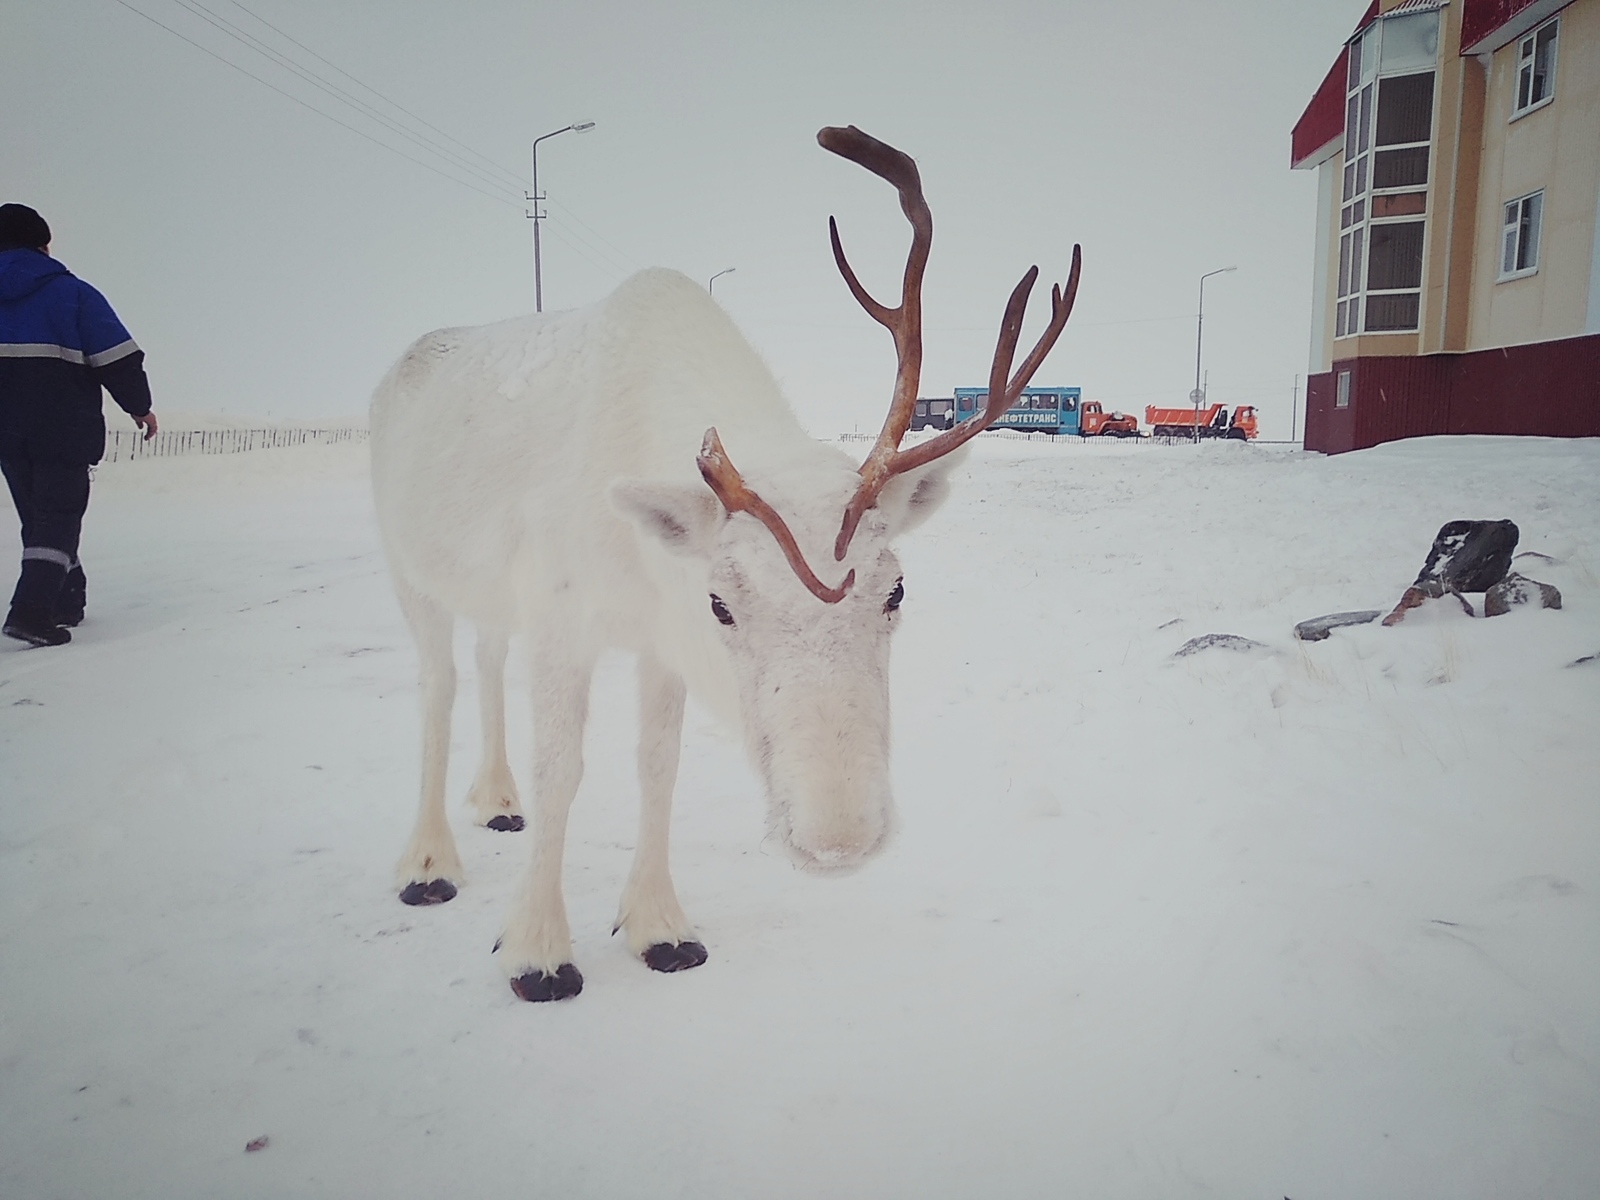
[(669, 956), (435, 891), (505, 823), (536, 985)]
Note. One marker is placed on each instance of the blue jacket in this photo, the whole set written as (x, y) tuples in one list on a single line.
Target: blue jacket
[(60, 342)]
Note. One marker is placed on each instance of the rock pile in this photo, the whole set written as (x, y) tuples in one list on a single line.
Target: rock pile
[(1474, 556)]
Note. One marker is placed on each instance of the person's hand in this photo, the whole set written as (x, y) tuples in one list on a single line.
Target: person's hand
[(148, 424)]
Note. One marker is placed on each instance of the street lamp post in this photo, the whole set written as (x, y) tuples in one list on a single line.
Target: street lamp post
[(1199, 328), (536, 216), (711, 283)]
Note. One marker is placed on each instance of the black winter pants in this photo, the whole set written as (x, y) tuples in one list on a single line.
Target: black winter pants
[(51, 497)]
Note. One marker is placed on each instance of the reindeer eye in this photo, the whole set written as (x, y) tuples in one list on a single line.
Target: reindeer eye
[(720, 610), (899, 594)]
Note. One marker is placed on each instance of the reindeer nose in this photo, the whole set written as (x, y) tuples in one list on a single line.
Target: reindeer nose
[(839, 841), (835, 857)]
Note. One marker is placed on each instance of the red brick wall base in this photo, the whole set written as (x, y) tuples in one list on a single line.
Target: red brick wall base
[(1547, 389)]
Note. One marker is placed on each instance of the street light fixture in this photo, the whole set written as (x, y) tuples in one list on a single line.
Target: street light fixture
[(536, 215), (1199, 326), (711, 283)]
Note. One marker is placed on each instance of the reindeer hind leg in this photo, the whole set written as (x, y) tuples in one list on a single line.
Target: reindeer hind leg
[(430, 869), (493, 796)]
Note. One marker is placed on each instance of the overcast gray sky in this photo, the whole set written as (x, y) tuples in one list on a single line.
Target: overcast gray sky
[(273, 263)]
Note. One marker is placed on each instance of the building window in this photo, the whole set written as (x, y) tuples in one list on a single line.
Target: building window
[(1393, 312), (1394, 276), (1405, 109), (1536, 69), (1389, 97), (1400, 204), (1410, 43), (1400, 168), (1395, 258), (1519, 254), (1341, 395)]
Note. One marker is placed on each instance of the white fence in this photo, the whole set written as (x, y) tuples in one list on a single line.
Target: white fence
[(125, 444)]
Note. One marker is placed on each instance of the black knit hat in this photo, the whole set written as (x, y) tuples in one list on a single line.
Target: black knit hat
[(22, 229)]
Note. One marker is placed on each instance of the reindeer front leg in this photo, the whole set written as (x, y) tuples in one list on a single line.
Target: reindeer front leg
[(657, 929), (536, 950)]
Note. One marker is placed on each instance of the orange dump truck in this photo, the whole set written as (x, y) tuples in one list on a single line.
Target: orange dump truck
[(1093, 421), (1213, 419)]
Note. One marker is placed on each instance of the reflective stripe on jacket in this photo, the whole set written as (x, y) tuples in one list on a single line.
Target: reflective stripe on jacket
[(60, 342)]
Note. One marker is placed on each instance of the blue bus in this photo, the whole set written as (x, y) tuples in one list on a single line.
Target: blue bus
[(1037, 410)]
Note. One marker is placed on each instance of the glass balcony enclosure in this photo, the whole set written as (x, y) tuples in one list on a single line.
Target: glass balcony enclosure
[(1388, 132)]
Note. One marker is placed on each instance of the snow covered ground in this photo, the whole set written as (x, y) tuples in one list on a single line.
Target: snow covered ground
[(1317, 920)]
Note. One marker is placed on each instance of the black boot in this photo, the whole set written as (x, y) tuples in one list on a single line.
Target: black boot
[(70, 603), (32, 625)]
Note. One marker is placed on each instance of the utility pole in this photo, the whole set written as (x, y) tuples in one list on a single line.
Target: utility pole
[(1294, 409), (1199, 327), (538, 214)]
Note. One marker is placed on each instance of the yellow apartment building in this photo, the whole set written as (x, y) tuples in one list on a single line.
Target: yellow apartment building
[(1457, 273)]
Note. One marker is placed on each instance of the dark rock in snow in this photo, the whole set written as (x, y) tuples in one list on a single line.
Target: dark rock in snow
[(1216, 641), (1316, 629), (1467, 556), (1411, 598), (1517, 589)]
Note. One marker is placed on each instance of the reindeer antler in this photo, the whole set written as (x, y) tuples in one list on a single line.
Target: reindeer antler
[(886, 459), (737, 496), (904, 322)]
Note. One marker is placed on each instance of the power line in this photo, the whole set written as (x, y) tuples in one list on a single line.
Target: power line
[(988, 329), (621, 254), (616, 261), (617, 255), (420, 120), (592, 249), (326, 115), (253, 43), (609, 272), (596, 242), (1077, 324)]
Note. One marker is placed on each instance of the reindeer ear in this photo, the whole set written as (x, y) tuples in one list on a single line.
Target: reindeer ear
[(683, 519), (910, 499)]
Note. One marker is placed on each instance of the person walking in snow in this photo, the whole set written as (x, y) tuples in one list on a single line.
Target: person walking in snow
[(60, 343)]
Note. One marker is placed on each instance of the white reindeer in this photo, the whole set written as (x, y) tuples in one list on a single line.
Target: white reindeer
[(563, 477)]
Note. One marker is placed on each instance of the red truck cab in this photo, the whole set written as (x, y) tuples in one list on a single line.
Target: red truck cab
[(1094, 421)]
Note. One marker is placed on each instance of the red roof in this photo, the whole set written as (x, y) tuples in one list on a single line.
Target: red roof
[(1485, 25), (1406, 7), (1480, 18), (1490, 24), (1322, 124)]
